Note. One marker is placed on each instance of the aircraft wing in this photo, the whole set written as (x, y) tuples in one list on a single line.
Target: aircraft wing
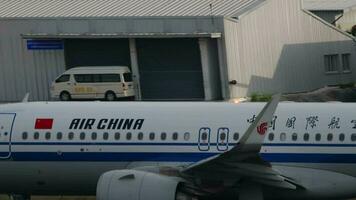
[(243, 162)]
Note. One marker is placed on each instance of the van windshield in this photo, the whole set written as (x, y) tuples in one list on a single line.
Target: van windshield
[(63, 78), (128, 77)]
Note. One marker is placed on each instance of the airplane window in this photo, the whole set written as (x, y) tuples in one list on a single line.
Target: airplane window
[(283, 137), (24, 135), (163, 136), (82, 136), (106, 136), (223, 136), (94, 135), (294, 136), (70, 135), (236, 136), (186, 136), (271, 137), (117, 136), (59, 135), (36, 135), (175, 136), (318, 137), (353, 137), (330, 137), (342, 137), (204, 136), (48, 136), (140, 136), (129, 136), (152, 136), (306, 137)]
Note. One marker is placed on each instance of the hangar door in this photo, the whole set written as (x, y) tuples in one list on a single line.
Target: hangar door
[(96, 52), (170, 69)]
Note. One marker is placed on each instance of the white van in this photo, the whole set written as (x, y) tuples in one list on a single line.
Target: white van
[(100, 82)]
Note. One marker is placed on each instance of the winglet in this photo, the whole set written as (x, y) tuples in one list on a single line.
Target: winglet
[(254, 136), (25, 98)]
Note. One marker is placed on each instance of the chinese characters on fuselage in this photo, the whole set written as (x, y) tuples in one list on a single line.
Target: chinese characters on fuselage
[(310, 122)]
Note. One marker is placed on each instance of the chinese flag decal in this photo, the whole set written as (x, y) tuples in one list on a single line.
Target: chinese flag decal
[(261, 129), (43, 123)]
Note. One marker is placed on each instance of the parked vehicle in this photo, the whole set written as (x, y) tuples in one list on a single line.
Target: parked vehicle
[(100, 82)]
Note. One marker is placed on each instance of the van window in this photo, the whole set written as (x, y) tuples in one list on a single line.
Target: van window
[(105, 78), (83, 78), (97, 78), (110, 78), (128, 77), (63, 78)]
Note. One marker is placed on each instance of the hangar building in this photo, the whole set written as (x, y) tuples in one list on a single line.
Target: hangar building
[(177, 50)]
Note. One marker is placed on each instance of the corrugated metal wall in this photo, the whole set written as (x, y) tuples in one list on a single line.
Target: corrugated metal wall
[(269, 51), (22, 70)]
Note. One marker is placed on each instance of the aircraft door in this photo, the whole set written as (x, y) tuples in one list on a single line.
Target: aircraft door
[(223, 139), (6, 124), (204, 139)]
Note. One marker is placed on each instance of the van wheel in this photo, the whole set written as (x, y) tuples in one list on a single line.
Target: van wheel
[(64, 96), (110, 96)]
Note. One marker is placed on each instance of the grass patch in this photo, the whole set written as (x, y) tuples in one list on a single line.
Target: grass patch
[(259, 97)]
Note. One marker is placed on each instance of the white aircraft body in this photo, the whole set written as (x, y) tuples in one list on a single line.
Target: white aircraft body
[(168, 151)]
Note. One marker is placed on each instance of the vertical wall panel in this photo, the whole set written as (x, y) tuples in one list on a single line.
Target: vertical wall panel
[(210, 69)]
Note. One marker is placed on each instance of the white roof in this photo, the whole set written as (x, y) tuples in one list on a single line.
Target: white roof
[(99, 68), (328, 4), (122, 8)]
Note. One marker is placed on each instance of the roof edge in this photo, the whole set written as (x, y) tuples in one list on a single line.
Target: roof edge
[(111, 17), (254, 6), (328, 24), (119, 35)]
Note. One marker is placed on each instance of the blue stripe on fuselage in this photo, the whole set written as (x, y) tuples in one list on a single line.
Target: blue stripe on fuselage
[(174, 157), (110, 156), (169, 144)]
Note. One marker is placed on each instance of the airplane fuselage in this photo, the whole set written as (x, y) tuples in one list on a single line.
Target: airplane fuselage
[(63, 148)]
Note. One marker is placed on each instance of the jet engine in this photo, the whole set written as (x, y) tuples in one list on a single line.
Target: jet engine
[(138, 185)]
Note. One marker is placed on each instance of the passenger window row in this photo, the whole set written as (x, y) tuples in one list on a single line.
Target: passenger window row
[(308, 137), (163, 136), (117, 136), (105, 136)]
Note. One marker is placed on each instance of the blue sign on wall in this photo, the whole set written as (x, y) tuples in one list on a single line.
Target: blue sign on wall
[(45, 44)]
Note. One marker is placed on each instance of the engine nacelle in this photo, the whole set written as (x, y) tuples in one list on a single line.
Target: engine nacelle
[(136, 185)]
